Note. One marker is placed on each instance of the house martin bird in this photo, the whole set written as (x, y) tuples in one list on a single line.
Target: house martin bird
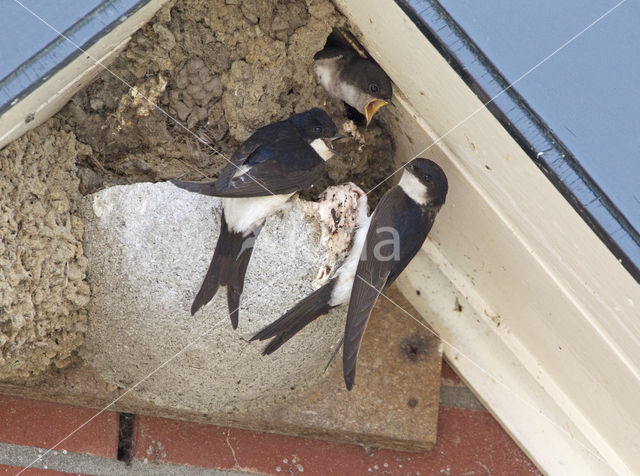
[(275, 162), (358, 81), (383, 245)]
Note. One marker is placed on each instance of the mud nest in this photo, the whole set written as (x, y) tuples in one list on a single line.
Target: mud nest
[(221, 69), (214, 69)]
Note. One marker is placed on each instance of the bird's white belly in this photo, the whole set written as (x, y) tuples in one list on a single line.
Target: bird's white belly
[(347, 272), (244, 214)]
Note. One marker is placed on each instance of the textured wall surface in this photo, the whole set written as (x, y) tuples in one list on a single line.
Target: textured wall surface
[(43, 290), (221, 68)]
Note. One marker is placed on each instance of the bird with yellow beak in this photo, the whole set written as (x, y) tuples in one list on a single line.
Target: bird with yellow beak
[(358, 81)]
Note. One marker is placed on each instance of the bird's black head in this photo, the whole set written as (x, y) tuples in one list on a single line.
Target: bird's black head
[(371, 78), (315, 124), (432, 177), (372, 87)]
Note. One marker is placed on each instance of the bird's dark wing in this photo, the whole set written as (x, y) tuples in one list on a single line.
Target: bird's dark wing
[(297, 318), (238, 159), (280, 162), (241, 154), (284, 163), (397, 231), (371, 277)]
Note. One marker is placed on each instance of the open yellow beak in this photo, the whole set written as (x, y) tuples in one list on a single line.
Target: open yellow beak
[(372, 108)]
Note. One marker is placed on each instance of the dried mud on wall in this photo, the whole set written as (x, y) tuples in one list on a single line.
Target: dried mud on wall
[(222, 68), (43, 288)]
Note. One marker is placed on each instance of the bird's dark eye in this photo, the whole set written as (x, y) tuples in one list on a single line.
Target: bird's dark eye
[(373, 87), (428, 178), (317, 129)]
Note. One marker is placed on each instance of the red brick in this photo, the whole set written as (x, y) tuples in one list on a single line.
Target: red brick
[(43, 424), (13, 470), (468, 441), (449, 377)]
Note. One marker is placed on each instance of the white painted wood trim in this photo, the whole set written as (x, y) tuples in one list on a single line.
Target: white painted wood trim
[(542, 292), (54, 93), (495, 373)]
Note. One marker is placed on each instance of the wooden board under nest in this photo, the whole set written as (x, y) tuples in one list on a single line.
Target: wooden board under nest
[(394, 403)]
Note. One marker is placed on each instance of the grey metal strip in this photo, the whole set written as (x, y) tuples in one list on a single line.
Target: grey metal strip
[(60, 52), (529, 130)]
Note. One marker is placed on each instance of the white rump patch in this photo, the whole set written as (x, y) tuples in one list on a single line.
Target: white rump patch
[(243, 169)]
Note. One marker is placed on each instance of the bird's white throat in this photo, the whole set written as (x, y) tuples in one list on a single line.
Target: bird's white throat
[(415, 189), (321, 148)]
